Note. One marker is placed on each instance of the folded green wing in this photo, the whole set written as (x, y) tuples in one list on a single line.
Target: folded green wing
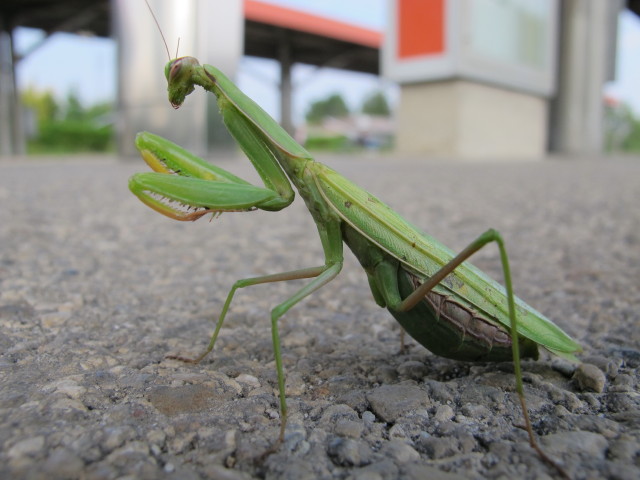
[(424, 255)]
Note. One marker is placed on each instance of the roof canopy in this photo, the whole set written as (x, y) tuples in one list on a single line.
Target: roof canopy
[(311, 39)]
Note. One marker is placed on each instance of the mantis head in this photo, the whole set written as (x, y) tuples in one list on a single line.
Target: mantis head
[(180, 74)]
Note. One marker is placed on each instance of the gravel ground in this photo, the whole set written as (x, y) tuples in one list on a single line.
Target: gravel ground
[(96, 289)]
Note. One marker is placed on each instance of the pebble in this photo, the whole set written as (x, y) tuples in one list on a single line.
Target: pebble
[(413, 370), (444, 413), (349, 428), (623, 383), (68, 386), (400, 451), (63, 463), (563, 366), (625, 448), (247, 379), (609, 365), (391, 401), (28, 446), (438, 447), (589, 377), (586, 444), (116, 437), (348, 452)]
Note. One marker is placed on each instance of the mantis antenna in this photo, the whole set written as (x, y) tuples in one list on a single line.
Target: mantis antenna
[(160, 30)]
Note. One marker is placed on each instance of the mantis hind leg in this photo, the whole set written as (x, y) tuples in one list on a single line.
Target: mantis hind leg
[(412, 300)]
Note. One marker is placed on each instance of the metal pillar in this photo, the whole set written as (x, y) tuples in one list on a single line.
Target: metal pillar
[(284, 57), (586, 63), (11, 136)]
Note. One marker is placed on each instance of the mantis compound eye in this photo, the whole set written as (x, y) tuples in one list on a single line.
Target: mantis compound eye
[(176, 66)]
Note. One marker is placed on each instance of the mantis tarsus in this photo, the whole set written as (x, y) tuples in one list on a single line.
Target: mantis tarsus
[(443, 302)]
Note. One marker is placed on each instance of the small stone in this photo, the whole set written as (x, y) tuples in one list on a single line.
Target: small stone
[(181, 444), (440, 392), (475, 412), (116, 437), (68, 386), (413, 370), (295, 384), (247, 379), (623, 383), (368, 418), (565, 367), (368, 475), (28, 446), (335, 413), (349, 428), (221, 473), (188, 398), (63, 463), (348, 452), (589, 377), (624, 449), (382, 470), (54, 320), (444, 413), (397, 431), (417, 471), (231, 439), (466, 442), (438, 447), (609, 365), (392, 401), (386, 374), (401, 452), (296, 338), (68, 405), (587, 444)]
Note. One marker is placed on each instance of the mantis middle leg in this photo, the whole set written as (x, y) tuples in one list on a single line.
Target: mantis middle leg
[(332, 245)]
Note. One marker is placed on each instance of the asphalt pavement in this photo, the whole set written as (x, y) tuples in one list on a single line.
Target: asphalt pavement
[(96, 289)]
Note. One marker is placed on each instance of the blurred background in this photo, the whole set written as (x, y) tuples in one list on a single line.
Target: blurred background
[(446, 78)]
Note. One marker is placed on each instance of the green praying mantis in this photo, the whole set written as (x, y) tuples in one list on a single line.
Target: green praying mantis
[(442, 301)]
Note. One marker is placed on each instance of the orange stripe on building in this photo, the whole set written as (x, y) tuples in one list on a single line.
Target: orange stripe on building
[(307, 22), (420, 28)]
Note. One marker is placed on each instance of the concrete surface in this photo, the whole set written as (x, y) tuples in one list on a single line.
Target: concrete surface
[(96, 289)]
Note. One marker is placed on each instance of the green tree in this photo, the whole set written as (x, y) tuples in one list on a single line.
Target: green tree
[(78, 129), (332, 106), (42, 103), (632, 142), (376, 104), (622, 129), (75, 111)]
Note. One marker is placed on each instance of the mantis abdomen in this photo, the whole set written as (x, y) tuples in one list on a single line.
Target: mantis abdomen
[(441, 323), (452, 330)]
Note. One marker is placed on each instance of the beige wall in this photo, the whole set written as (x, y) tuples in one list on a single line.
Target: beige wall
[(459, 118)]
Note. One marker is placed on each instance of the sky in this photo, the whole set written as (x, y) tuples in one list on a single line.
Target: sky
[(625, 87), (87, 66)]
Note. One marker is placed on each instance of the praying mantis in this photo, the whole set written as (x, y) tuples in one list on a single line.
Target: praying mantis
[(445, 303)]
